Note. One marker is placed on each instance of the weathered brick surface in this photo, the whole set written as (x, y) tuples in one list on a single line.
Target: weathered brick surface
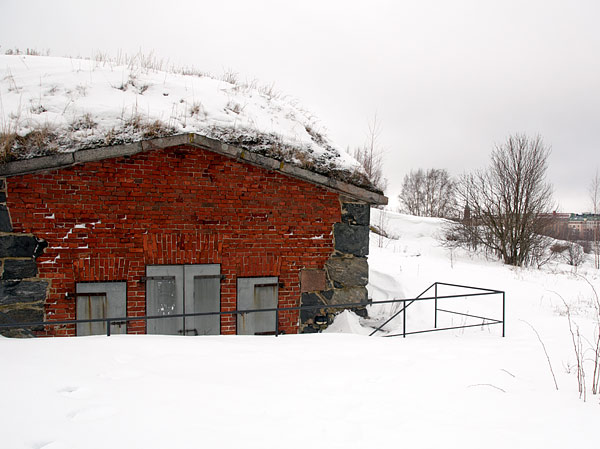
[(107, 220)]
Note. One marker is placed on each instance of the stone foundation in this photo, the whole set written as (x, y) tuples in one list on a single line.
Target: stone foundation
[(346, 272), (22, 293)]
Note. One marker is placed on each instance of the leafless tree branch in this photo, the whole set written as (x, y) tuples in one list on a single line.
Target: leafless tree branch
[(509, 201)]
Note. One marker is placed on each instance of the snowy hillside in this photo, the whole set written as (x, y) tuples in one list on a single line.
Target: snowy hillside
[(465, 389), (405, 266), (50, 104)]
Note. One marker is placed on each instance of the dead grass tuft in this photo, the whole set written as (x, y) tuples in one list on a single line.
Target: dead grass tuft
[(85, 122), (111, 137), (316, 136), (230, 76), (133, 82), (234, 107), (269, 91), (40, 141), (157, 129), (196, 109), (137, 124), (7, 142), (28, 52), (37, 108)]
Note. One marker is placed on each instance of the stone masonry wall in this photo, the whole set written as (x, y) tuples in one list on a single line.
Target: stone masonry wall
[(346, 272), (22, 292)]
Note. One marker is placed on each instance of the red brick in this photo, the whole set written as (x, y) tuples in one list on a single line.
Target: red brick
[(172, 207)]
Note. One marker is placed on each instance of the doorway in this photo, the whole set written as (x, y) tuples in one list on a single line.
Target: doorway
[(175, 289), (252, 294)]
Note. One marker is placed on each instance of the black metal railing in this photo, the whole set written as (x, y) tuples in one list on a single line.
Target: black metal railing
[(486, 321), (480, 292)]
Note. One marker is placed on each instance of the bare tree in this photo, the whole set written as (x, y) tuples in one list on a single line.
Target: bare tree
[(430, 193), (510, 200), (370, 155), (595, 200), (573, 255)]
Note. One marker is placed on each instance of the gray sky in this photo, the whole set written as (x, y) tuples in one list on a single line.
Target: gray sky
[(447, 79)]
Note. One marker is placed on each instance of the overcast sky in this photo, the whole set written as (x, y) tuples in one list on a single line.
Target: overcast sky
[(447, 79)]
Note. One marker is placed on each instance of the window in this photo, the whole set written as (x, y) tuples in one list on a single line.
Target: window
[(173, 289), (99, 300)]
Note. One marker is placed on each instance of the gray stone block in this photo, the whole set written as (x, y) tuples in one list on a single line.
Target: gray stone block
[(98, 154), (19, 269), (21, 246), (17, 246), (36, 164), (28, 313), (5, 225), (352, 295), (167, 141), (356, 214), (350, 239), (327, 294), (32, 313), (348, 271), (13, 292), (309, 299)]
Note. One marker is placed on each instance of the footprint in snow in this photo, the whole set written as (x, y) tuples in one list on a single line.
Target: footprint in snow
[(73, 392)]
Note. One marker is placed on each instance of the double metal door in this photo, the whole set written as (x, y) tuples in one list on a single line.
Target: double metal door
[(178, 289)]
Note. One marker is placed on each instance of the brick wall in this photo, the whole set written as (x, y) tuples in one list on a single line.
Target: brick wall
[(107, 220)]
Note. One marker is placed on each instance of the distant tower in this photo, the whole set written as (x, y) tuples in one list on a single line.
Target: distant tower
[(467, 213)]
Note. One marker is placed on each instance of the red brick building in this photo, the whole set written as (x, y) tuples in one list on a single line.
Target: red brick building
[(173, 225)]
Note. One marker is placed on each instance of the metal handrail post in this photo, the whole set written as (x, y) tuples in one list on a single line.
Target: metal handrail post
[(404, 306), (404, 320), (503, 311), (277, 322), (108, 327), (436, 307)]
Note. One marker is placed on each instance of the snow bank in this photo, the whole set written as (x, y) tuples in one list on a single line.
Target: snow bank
[(51, 104), (327, 390), (465, 388)]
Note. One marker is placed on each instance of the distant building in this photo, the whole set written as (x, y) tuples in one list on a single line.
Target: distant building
[(557, 224), (569, 226), (582, 226)]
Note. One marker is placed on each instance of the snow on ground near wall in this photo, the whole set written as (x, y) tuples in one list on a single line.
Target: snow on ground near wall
[(89, 101), (459, 389)]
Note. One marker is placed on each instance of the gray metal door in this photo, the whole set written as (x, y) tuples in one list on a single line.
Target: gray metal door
[(171, 289), (252, 294), (164, 296), (202, 294), (101, 300)]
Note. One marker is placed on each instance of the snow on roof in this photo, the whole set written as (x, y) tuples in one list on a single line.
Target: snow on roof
[(52, 104)]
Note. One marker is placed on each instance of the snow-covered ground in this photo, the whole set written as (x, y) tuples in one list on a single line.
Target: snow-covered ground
[(460, 389), (63, 104)]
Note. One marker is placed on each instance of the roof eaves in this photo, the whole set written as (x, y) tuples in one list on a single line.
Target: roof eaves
[(61, 160)]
